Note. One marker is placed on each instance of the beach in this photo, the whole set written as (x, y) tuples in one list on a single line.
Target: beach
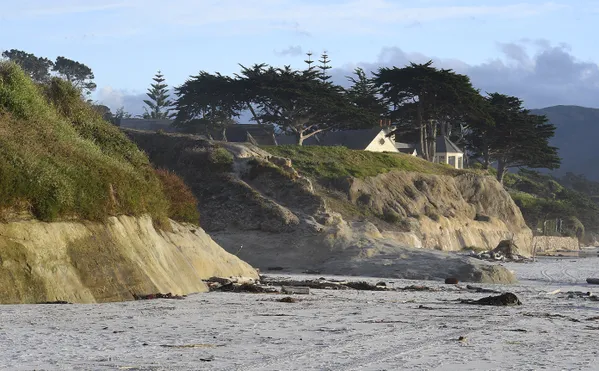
[(326, 330)]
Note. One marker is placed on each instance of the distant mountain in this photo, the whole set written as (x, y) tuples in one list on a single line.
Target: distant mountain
[(577, 137)]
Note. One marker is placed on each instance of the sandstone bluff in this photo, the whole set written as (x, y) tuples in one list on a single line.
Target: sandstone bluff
[(397, 224)]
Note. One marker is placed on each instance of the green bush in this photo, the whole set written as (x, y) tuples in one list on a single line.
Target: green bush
[(60, 159), (221, 159)]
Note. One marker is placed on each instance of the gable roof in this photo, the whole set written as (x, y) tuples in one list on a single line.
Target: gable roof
[(352, 139), (444, 145)]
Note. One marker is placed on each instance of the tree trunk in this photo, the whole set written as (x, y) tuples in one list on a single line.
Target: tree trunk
[(486, 160), (253, 113), (300, 138), (501, 170), (422, 132), (433, 150)]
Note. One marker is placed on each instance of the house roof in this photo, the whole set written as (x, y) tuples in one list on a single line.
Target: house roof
[(444, 145), (352, 139)]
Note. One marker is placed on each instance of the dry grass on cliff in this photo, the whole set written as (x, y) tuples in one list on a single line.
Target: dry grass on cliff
[(183, 205), (335, 162)]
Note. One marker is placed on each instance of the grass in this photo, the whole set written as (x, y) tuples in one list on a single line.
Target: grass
[(60, 160), (336, 162)]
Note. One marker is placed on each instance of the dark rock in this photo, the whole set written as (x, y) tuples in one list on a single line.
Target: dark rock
[(482, 218), (287, 299), (507, 299), (451, 281), (382, 284)]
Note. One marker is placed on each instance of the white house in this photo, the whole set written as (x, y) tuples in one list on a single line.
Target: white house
[(449, 153), (373, 140)]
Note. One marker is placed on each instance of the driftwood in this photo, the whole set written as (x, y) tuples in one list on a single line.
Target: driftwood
[(158, 296)]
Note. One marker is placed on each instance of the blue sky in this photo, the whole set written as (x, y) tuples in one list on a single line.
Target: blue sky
[(542, 51)]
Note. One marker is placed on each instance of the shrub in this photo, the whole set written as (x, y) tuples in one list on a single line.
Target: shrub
[(183, 206), (221, 159)]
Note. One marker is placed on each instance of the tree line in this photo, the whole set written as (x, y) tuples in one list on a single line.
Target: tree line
[(420, 100)]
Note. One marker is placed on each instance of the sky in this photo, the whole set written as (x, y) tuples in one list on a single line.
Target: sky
[(541, 51)]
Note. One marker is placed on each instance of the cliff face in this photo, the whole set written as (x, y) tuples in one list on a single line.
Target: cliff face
[(112, 261), (444, 212), (260, 206)]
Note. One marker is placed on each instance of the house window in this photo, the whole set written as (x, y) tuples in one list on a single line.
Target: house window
[(451, 161), (442, 160), (460, 162), (382, 141)]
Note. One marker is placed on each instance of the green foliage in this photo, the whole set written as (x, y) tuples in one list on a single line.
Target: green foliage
[(159, 104), (37, 68), (221, 159), (206, 102), (543, 200), (364, 94), (426, 101), (512, 136), (330, 163), (78, 74), (59, 159)]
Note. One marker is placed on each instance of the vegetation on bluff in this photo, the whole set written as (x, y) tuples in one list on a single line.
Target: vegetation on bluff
[(59, 159), (335, 162)]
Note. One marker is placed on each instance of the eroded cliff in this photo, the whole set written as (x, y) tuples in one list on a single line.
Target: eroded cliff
[(87, 262), (276, 214)]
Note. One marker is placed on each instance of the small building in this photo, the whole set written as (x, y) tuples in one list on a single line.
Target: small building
[(448, 152), (373, 140)]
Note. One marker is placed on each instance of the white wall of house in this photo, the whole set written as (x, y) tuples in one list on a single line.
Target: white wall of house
[(381, 144), (454, 159)]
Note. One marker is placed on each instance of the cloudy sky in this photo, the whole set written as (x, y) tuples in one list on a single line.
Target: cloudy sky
[(542, 51)]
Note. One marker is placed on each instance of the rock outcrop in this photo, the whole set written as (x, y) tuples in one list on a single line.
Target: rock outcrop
[(87, 262), (260, 206)]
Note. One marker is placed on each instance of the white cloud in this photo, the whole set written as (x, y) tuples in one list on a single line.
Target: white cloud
[(293, 50)]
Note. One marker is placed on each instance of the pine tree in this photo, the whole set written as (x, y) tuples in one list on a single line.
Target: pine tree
[(159, 105), (324, 67), (309, 61)]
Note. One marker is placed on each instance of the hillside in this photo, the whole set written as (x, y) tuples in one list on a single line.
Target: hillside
[(60, 160), (84, 216), (577, 130), (340, 211)]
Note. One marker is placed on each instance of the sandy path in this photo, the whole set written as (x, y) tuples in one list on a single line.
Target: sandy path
[(327, 330)]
